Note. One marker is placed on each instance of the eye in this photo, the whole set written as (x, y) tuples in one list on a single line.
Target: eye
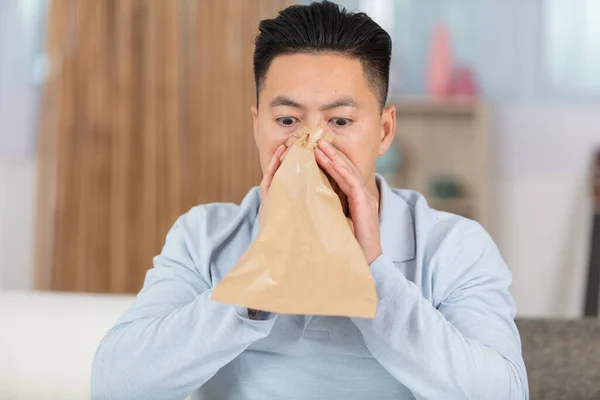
[(340, 122), (286, 121)]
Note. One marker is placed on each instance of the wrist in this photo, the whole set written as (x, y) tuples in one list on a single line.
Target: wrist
[(373, 255)]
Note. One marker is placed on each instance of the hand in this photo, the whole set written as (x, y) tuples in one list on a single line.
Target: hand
[(274, 165), (363, 206)]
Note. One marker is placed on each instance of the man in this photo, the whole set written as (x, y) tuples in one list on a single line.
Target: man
[(444, 325)]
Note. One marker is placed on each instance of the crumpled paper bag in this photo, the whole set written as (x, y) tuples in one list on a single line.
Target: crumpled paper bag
[(305, 258)]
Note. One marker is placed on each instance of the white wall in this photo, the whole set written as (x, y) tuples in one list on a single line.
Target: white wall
[(544, 237), (17, 211), (21, 45), (544, 208)]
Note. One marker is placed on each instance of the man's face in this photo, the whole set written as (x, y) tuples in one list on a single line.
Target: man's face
[(326, 90)]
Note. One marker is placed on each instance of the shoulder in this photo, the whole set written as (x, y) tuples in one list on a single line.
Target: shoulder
[(439, 230), (208, 238), (452, 250), (215, 215), (207, 226)]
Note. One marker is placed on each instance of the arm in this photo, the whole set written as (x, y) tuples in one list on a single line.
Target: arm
[(174, 338), (466, 348)]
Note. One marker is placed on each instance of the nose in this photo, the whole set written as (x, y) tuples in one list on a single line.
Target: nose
[(313, 132), (317, 121)]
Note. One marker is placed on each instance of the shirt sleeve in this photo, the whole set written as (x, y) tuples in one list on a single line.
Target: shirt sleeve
[(465, 347), (174, 338)]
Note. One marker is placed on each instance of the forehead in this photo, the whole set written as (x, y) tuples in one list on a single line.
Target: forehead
[(316, 78)]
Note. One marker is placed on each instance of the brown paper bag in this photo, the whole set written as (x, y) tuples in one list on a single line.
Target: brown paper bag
[(305, 259)]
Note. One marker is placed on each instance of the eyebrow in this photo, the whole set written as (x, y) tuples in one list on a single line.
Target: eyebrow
[(284, 101), (341, 102), (287, 102)]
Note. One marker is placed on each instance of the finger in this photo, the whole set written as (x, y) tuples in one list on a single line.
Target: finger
[(280, 150), (344, 168), (285, 153), (331, 151), (270, 172), (327, 164), (352, 178), (272, 167), (355, 192), (337, 156)]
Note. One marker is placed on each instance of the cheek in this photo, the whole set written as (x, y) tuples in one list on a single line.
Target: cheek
[(267, 143)]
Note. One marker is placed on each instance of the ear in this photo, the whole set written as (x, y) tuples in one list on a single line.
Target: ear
[(254, 111), (388, 129)]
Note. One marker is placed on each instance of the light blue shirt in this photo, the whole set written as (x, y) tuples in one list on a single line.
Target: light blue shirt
[(444, 326)]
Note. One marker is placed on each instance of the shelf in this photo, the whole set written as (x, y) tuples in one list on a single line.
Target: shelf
[(460, 205), (446, 138), (423, 106)]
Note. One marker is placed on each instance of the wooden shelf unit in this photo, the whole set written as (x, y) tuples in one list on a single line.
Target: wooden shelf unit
[(445, 139)]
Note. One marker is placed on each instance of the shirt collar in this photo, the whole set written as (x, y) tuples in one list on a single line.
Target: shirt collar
[(396, 227)]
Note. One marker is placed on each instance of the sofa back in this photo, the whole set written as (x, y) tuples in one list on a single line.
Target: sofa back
[(562, 358), (48, 341)]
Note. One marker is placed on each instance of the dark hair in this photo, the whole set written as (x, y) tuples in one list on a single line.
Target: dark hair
[(325, 27)]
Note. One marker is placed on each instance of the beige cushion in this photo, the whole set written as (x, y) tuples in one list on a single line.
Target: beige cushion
[(48, 340)]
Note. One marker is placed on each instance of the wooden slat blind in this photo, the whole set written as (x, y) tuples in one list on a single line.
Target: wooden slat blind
[(145, 114)]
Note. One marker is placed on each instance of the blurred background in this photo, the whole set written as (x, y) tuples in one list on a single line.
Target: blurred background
[(118, 116)]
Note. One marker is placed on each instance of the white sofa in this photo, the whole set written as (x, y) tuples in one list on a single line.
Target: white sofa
[(48, 340)]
